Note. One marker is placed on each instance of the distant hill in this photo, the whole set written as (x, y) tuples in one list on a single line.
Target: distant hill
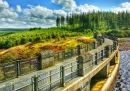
[(13, 29)]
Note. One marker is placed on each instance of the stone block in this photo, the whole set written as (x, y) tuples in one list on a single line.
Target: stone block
[(45, 59)]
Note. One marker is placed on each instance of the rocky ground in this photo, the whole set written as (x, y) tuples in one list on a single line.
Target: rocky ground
[(124, 46)]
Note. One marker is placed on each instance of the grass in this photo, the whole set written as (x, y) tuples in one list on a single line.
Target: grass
[(99, 83)]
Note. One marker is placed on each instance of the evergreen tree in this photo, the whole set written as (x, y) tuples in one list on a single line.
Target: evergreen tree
[(57, 21), (62, 21)]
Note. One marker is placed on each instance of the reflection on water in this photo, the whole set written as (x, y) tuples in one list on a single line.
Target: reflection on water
[(123, 81)]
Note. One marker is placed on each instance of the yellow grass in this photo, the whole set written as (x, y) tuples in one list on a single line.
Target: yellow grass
[(35, 48), (100, 82)]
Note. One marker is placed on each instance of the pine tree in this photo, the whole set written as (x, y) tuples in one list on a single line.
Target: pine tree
[(57, 21)]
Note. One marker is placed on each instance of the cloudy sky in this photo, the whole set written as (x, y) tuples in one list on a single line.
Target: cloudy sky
[(42, 13)]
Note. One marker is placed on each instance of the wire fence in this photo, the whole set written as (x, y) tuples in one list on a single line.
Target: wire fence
[(17, 68)]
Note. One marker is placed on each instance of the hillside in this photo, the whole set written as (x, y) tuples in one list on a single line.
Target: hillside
[(25, 45)]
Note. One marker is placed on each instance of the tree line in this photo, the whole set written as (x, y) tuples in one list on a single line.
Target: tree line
[(96, 20)]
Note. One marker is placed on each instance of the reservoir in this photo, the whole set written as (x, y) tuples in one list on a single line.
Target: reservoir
[(123, 81)]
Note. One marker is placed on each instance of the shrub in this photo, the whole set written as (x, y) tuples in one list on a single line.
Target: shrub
[(23, 40), (9, 43), (9, 57)]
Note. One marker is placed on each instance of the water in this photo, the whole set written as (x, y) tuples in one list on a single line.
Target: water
[(123, 81)]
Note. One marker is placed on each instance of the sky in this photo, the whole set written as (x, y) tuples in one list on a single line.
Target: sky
[(43, 13)]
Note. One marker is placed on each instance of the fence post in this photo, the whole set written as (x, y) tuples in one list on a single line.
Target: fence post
[(115, 45), (108, 50), (72, 52), (95, 44), (103, 34), (103, 39), (50, 80), (39, 61), (17, 68), (63, 54), (96, 58), (35, 83), (79, 50), (87, 47), (63, 75), (102, 56), (111, 48), (95, 35)]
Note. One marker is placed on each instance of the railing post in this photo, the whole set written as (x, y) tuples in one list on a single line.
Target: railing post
[(35, 83), (3, 68), (79, 50), (63, 75), (102, 55), (63, 55), (95, 35), (87, 47), (17, 68), (108, 50), (96, 58), (72, 52), (115, 45), (39, 61), (50, 80), (95, 44), (103, 34)]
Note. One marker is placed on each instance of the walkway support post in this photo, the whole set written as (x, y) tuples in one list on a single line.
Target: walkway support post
[(35, 83), (17, 68)]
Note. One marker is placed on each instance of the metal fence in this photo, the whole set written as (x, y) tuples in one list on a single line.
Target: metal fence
[(22, 85), (50, 80), (71, 71), (17, 68), (8, 71)]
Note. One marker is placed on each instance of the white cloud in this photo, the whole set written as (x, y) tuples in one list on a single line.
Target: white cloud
[(38, 12), (86, 8), (123, 7), (6, 11), (59, 13), (41, 15), (66, 4), (3, 4), (18, 8)]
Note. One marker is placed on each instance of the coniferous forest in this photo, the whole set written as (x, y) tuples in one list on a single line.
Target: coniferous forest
[(112, 23)]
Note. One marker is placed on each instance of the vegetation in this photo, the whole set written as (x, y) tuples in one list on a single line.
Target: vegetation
[(30, 49), (39, 35), (116, 24), (119, 33)]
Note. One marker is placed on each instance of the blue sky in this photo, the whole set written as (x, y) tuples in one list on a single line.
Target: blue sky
[(42, 13)]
